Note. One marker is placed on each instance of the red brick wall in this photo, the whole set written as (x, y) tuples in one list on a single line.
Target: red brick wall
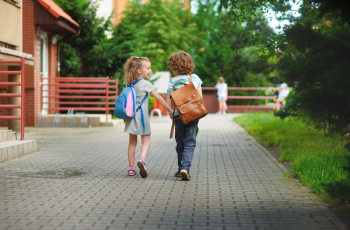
[(35, 95), (52, 68), (29, 46), (29, 37)]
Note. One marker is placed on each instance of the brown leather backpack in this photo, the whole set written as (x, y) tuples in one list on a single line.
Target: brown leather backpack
[(188, 104)]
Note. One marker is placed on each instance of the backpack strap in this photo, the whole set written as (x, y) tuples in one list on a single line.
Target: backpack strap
[(173, 126), (184, 83), (134, 83), (173, 123), (140, 107)]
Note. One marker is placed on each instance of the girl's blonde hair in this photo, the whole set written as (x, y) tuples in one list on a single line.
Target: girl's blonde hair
[(221, 80), (181, 63), (130, 69)]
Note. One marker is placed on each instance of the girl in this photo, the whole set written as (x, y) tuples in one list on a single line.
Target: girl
[(140, 68), (222, 95)]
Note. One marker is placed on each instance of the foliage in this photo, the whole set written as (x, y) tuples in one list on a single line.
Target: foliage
[(91, 54), (94, 54), (334, 8), (244, 11), (151, 101), (314, 54), (320, 162), (251, 14), (316, 61), (290, 109), (157, 29), (228, 55)]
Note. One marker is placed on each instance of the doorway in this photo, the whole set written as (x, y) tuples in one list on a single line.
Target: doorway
[(44, 73)]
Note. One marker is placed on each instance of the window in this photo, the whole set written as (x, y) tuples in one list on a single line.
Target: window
[(14, 2), (8, 46), (44, 67)]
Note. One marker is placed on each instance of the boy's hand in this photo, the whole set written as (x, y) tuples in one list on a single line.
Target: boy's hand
[(171, 114)]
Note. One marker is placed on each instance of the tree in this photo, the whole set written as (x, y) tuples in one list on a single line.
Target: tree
[(313, 57), (228, 54), (316, 63), (337, 8), (244, 11), (157, 29), (251, 14), (91, 54)]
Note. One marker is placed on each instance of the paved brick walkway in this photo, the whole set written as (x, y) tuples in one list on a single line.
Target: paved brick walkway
[(78, 180)]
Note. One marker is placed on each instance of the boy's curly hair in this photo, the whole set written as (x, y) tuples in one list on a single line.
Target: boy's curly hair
[(181, 63), (131, 66)]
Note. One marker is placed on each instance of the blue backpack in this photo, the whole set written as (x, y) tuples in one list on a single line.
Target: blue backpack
[(125, 104)]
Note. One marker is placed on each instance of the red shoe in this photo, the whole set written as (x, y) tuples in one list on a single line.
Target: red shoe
[(132, 172)]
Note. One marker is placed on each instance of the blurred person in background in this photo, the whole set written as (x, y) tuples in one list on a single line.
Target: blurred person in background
[(283, 92), (222, 95)]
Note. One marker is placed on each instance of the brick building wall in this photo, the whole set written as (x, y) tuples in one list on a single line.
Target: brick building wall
[(52, 68), (30, 45), (34, 89)]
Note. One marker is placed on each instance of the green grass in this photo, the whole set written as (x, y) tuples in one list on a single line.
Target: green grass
[(321, 163)]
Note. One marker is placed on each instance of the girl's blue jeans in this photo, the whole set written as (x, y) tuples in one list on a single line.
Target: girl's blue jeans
[(185, 136)]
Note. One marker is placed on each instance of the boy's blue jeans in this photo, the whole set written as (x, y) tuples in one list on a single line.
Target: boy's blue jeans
[(185, 136)]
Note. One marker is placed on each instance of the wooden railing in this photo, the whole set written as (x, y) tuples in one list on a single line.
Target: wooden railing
[(248, 107), (22, 94), (94, 91)]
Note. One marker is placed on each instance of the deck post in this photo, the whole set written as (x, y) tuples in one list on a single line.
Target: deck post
[(107, 94)]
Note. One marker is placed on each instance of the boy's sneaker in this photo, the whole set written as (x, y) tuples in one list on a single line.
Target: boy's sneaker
[(132, 172), (177, 174), (142, 166), (185, 175)]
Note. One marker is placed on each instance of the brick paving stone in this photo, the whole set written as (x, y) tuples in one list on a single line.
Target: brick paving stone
[(78, 180)]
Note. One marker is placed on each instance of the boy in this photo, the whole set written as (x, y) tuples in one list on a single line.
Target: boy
[(182, 65)]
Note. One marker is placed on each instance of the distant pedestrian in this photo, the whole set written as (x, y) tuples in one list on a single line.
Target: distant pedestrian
[(139, 69), (181, 64), (222, 95), (283, 92)]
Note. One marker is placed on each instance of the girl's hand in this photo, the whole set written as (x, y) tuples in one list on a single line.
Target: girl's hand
[(161, 101), (171, 113)]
